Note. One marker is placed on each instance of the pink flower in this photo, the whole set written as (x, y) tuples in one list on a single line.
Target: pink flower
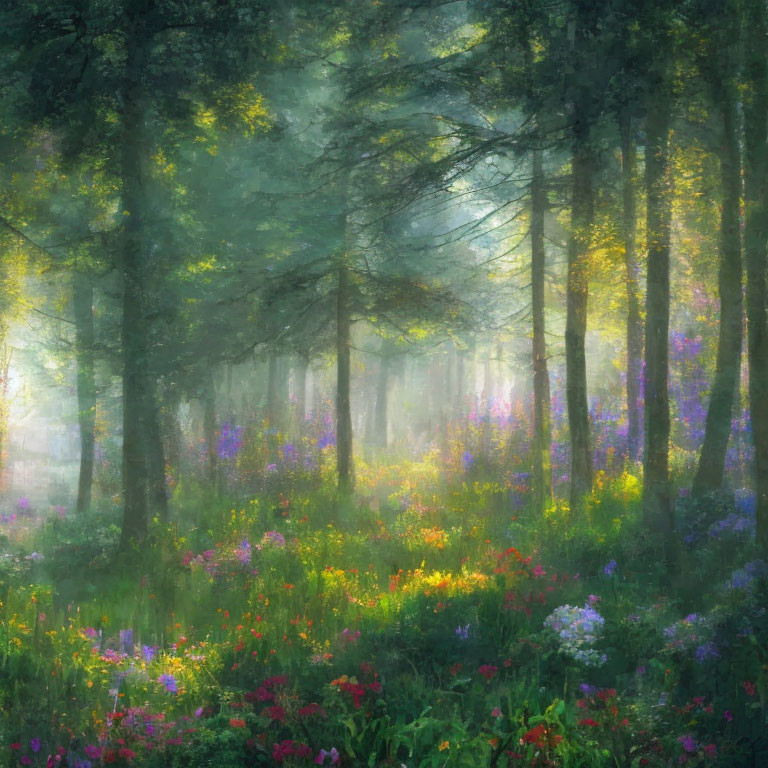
[(728, 715), (750, 688), (710, 751), (496, 712), (538, 571), (488, 671)]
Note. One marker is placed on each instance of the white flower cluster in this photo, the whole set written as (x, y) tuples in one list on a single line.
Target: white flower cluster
[(578, 629)]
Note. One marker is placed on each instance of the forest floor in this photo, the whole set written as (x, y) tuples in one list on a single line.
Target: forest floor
[(432, 621)]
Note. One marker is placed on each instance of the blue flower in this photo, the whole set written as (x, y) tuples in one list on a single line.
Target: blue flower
[(169, 683), (462, 632), (610, 569)]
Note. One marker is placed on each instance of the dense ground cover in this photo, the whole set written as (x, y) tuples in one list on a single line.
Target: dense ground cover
[(433, 621)]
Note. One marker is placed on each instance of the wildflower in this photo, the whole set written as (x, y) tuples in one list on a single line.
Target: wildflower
[(148, 652), (707, 651), (462, 632), (169, 683), (577, 629), (275, 538), (496, 712), (688, 743), (589, 721), (610, 569), (230, 441), (276, 713), (593, 599), (467, 460), (534, 736), (444, 745), (488, 671), (749, 688), (236, 722), (243, 552), (323, 753), (311, 709), (728, 715), (93, 751), (710, 751), (34, 745), (538, 571)]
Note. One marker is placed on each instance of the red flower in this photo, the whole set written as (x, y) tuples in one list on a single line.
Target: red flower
[(534, 736), (276, 712), (312, 709), (236, 722), (589, 721), (488, 671), (750, 688)]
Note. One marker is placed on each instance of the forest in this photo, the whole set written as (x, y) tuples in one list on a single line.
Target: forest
[(384, 383)]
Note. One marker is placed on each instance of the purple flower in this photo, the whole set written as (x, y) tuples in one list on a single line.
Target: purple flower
[(148, 652), (169, 683), (467, 460), (243, 552), (230, 441), (707, 651), (688, 743), (462, 632), (610, 569), (34, 745), (275, 538)]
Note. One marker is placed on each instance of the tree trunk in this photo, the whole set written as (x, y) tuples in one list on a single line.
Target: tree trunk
[(460, 393), (156, 478), (301, 392), (380, 419), (273, 407), (542, 427), (582, 211), (657, 506), (209, 429), (711, 468), (634, 320), (343, 374), (86, 386), (134, 331), (755, 237)]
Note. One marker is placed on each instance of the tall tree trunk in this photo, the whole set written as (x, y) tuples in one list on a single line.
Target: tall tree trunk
[(755, 238), (300, 387), (273, 374), (582, 211), (86, 385), (209, 429), (134, 150), (634, 319), (711, 468), (343, 374), (460, 384), (657, 505), (542, 426), (171, 429), (157, 486), (380, 420)]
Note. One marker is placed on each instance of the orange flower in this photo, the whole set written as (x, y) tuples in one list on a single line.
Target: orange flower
[(237, 722)]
